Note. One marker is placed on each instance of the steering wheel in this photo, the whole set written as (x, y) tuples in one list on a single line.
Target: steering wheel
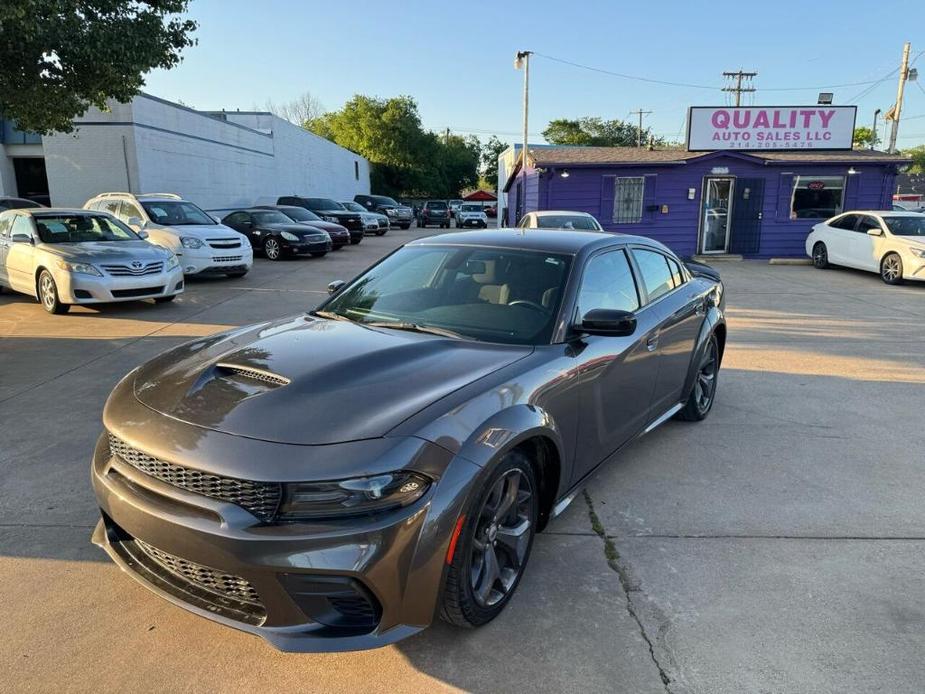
[(529, 304)]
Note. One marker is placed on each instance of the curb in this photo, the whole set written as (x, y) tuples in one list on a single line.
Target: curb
[(790, 261)]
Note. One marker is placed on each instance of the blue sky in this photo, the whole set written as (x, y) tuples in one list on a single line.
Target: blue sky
[(456, 59)]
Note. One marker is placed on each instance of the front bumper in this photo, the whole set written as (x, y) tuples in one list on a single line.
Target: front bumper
[(208, 260), (86, 289), (303, 248), (395, 560), (474, 222)]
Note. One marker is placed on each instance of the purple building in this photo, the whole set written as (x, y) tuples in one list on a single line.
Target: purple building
[(758, 204)]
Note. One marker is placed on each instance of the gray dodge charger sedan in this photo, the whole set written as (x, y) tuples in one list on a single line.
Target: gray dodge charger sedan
[(334, 480)]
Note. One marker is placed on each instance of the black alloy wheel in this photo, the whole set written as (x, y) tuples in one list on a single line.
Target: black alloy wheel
[(271, 248), (820, 256), (494, 545), (703, 392)]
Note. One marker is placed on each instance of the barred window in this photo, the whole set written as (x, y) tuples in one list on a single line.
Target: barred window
[(627, 200)]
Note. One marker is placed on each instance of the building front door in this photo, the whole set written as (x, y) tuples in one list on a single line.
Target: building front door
[(715, 215)]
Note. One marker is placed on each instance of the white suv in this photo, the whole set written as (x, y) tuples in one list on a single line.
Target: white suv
[(203, 245)]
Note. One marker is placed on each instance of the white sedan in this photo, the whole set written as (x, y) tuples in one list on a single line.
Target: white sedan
[(560, 219), (889, 243)]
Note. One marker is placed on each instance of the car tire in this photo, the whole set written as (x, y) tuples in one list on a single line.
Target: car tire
[(272, 249), (482, 576), (354, 242), (236, 275), (319, 254), (891, 269), (703, 392), (820, 256), (381, 233), (405, 227), (164, 299), (47, 292)]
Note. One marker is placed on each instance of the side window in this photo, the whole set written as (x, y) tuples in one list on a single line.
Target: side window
[(656, 275), (5, 227), (21, 225), (129, 210), (677, 275), (236, 218), (113, 208), (608, 283), (867, 222), (846, 222)]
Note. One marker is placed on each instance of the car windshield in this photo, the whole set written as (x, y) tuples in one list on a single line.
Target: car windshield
[(354, 206), (300, 214), (176, 213), (270, 217), (471, 208), (324, 204), (82, 228), (906, 225), (561, 221), (488, 294), (385, 200)]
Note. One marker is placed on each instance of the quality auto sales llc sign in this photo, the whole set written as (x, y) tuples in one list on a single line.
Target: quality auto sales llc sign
[(770, 127)]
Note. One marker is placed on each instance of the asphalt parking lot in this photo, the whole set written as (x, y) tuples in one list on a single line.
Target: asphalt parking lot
[(776, 547)]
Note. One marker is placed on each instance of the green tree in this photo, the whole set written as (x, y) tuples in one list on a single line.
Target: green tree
[(596, 132), (406, 159), (864, 137), (59, 57), (918, 159), (490, 154)]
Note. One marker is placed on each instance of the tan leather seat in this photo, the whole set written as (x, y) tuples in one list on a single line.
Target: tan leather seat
[(490, 289)]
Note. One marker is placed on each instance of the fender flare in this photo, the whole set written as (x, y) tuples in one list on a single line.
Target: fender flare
[(713, 320)]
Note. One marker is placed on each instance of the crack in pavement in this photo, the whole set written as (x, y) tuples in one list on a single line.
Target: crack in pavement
[(613, 560)]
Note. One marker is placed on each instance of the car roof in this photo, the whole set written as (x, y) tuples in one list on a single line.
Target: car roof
[(558, 213), (52, 211), (885, 213), (549, 240)]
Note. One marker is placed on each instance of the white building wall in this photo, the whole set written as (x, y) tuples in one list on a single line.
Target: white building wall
[(155, 146)]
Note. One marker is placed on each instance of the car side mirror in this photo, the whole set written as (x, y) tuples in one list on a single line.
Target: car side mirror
[(21, 238), (142, 234), (608, 321), (336, 286), (135, 222), (875, 232)]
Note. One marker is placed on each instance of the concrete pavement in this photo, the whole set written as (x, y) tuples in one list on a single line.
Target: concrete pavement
[(775, 547)]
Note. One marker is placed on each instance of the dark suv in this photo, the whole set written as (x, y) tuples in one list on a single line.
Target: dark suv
[(398, 214), (435, 212), (330, 211)]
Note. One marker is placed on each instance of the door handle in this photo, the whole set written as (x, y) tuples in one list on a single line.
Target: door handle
[(652, 342)]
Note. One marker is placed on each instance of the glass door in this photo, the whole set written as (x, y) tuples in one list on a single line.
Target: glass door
[(717, 198)]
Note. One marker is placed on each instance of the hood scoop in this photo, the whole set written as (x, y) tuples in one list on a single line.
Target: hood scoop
[(249, 372)]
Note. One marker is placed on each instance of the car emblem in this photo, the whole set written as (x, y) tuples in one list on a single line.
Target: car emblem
[(136, 265)]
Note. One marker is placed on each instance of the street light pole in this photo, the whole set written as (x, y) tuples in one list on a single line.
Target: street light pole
[(522, 60), (873, 138)]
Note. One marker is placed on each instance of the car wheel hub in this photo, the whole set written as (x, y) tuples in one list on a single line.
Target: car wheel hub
[(502, 537), (48, 293)]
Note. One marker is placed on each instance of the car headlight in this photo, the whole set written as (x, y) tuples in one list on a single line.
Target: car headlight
[(328, 218), (79, 268), (360, 495), (920, 252), (190, 242), (289, 237), (391, 211), (172, 262)]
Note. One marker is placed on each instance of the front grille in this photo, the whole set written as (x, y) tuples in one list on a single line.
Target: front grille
[(226, 258), (144, 291), (213, 580), (357, 609), (224, 243), (259, 498), (128, 271)]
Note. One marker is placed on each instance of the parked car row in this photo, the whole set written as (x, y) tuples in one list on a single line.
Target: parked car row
[(122, 246)]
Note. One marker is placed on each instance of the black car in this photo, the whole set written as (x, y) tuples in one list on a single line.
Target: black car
[(435, 212), (340, 237), (277, 235), (398, 214), (330, 211), (17, 204), (336, 479)]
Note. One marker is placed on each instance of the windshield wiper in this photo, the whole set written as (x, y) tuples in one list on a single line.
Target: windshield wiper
[(329, 314), (414, 327)]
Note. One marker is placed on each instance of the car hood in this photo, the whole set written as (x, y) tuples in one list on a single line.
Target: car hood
[(106, 251), (305, 380), (917, 242), (299, 230), (326, 226)]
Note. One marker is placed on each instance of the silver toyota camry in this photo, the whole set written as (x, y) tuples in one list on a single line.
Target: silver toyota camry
[(64, 257)]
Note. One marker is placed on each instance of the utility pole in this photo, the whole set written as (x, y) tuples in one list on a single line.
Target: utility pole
[(640, 113), (895, 112), (737, 88), (446, 137), (522, 60)]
